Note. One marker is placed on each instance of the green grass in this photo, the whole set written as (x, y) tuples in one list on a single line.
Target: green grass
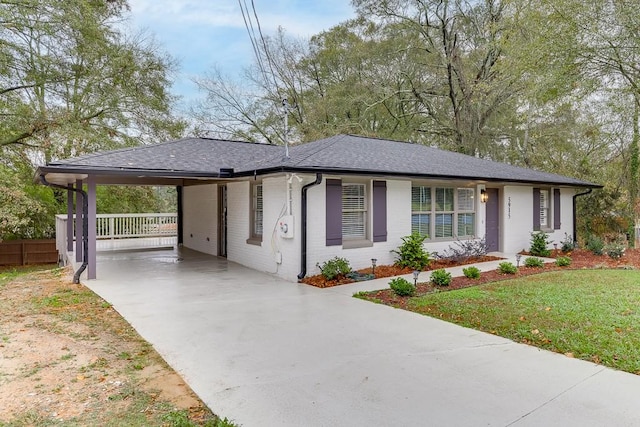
[(592, 314), (8, 274)]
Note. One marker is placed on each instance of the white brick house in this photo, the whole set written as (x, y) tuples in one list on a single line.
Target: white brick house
[(347, 196)]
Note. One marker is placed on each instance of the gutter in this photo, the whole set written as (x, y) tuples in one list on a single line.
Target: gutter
[(575, 226), (85, 225), (303, 233)]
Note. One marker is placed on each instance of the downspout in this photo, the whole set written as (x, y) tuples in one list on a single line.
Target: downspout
[(575, 226), (303, 233), (85, 225)]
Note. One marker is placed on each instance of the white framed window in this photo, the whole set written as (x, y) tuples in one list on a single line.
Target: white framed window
[(354, 211), (466, 212), (257, 211), (443, 212), (544, 209), (421, 210)]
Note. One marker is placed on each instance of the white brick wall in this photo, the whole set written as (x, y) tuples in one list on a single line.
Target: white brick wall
[(516, 229), (398, 226), (516, 218), (263, 257), (200, 216), (566, 217), (200, 220)]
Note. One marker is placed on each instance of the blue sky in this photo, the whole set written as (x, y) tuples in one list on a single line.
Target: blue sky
[(201, 34)]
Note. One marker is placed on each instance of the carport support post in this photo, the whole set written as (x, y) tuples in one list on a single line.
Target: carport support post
[(91, 195), (79, 214), (69, 218), (180, 219)]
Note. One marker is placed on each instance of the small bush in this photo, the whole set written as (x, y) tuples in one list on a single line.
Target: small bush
[(465, 249), (507, 268), (533, 262), (334, 267), (563, 261), (614, 250), (567, 243), (402, 287), (594, 244), (471, 272), (539, 242), (411, 252), (440, 277)]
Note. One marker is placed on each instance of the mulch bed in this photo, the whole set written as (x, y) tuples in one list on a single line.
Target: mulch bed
[(391, 270), (580, 259)]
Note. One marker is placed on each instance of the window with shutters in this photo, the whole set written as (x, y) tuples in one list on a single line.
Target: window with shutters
[(257, 212), (354, 211), (443, 212), (544, 209)]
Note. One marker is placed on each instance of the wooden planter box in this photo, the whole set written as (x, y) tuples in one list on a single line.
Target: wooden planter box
[(23, 252)]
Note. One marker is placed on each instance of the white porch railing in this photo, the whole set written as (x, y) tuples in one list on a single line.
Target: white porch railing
[(123, 226)]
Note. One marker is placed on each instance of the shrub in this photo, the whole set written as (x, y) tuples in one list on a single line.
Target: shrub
[(614, 250), (334, 267), (402, 287), (539, 242), (507, 268), (594, 244), (567, 243), (471, 272), (563, 261), (465, 249), (533, 262), (411, 252), (441, 277)]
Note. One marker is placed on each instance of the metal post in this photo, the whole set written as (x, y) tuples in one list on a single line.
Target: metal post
[(91, 216), (79, 218), (69, 218)]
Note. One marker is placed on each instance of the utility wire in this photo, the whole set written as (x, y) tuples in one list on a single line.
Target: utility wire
[(250, 31)]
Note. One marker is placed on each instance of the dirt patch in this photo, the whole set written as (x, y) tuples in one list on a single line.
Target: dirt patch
[(580, 259), (66, 354), (392, 270)]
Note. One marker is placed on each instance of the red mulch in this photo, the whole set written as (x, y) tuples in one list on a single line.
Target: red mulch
[(391, 270), (580, 259)]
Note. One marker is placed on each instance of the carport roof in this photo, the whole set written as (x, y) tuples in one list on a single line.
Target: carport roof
[(340, 154)]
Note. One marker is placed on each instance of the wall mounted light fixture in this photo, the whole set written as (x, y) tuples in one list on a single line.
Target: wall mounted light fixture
[(484, 196)]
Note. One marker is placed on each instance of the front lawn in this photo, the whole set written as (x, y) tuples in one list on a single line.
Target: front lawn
[(588, 314)]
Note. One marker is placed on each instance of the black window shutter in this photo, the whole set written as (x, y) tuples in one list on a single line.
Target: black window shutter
[(334, 212), (536, 209), (556, 209), (379, 211)]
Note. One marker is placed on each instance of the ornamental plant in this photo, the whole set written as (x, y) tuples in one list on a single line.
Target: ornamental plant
[(594, 244), (539, 242), (533, 262), (441, 277), (471, 272), (402, 287), (334, 267), (563, 261), (507, 268), (411, 252)]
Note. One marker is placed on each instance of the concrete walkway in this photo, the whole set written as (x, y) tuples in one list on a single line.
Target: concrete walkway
[(265, 352)]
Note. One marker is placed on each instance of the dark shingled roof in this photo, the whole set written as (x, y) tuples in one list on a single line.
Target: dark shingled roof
[(342, 154)]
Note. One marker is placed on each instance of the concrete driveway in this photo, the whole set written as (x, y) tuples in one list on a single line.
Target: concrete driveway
[(265, 352)]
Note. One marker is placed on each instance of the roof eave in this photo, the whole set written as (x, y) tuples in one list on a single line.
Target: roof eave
[(346, 171)]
